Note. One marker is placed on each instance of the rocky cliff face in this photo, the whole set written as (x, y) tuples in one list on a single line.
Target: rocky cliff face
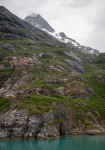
[(18, 124), (47, 89)]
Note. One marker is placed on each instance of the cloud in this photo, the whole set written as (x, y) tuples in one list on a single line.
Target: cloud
[(97, 35), (83, 20), (79, 3)]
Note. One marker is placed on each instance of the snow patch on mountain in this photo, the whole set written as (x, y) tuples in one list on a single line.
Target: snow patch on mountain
[(39, 22)]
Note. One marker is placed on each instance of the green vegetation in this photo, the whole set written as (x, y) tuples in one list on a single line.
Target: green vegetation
[(40, 103), (40, 74), (4, 104), (100, 61)]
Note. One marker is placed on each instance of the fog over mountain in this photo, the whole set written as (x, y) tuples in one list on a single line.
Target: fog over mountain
[(81, 20)]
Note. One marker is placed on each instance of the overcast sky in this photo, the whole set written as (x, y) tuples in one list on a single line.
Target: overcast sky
[(82, 20)]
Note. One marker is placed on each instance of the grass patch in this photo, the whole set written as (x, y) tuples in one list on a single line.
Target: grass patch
[(38, 103), (4, 104)]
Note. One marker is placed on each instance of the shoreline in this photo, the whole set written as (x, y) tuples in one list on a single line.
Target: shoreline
[(49, 138)]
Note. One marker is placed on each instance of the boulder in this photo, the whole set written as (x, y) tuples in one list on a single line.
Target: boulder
[(48, 132), (19, 63), (73, 55), (95, 132), (7, 47), (79, 67), (46, 55)]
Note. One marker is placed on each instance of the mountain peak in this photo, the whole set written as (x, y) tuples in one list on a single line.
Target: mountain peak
[(39, 22), (34, 15), (2, 7)]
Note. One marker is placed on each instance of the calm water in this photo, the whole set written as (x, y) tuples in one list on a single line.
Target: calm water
[(65, 143)]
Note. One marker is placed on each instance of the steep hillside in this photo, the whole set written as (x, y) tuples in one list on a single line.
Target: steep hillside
[(47, 89), (12, 27), (100, 60)]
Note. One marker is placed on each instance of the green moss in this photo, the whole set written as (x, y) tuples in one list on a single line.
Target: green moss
[(100, 60), (92, 72), (38, 103), (41, 103), (97, 104), (4, 104), (56, 123)]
